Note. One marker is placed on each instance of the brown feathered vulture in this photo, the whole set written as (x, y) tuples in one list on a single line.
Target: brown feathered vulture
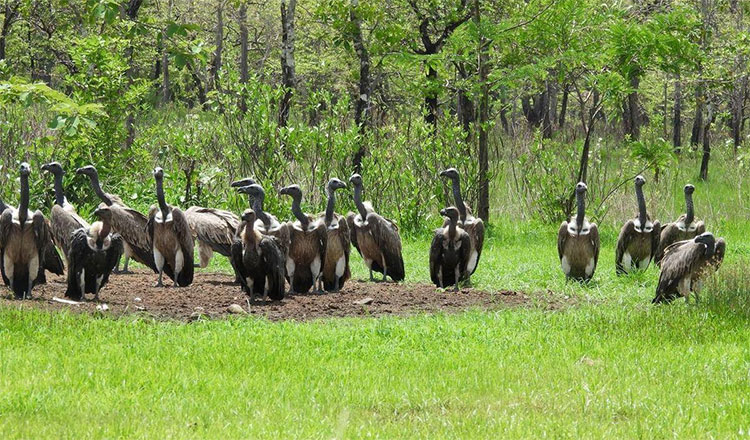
[(686, 227), (338, 244), (578, 242), (172, 240), (376, 238), (64, 220), (127, 222), (26, 246), (685, 264), (450, 252), (258, 260), (94, 253), (307, 246), (472, 225), (639, 237)]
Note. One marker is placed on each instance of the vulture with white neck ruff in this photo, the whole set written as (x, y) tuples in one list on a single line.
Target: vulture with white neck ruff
[(307, 248), (375, 237), (64, 220), (578, 242), (172, 239), (338, 246), (639, 237), (450, 252), (472, 225), (258, 260), (685, 228)]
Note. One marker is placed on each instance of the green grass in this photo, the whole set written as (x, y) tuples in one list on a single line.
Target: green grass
[(612, 365)]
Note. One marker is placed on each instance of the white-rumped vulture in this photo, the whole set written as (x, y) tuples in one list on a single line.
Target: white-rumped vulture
[(578, 242), (214, 229), (685, 228), (258, 260), (127, 222), (472, 225), (94, 253), (26, 246), (307, 246), (450, 252), (172, 240), (375, 237), (338, 244), (63, 217), (685, 264), (639, 237)]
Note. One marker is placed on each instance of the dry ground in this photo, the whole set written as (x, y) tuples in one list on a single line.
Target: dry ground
[(212, 293)]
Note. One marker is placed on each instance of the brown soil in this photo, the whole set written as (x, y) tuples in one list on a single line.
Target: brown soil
[(211, 295)]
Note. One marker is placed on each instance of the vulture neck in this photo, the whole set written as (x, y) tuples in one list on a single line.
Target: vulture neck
[(257, 203), (3, 206), (330, 206), (452, 228), (459, 200), (59, 194), (160, 198), (23, 207), (580, 215), (98, 190), (297, 211), (641, 205), (689, 214), (105, 230), (358, 202), (250, 233)]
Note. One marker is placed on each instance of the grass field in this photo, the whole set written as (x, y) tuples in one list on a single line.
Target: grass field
[(610, 365)]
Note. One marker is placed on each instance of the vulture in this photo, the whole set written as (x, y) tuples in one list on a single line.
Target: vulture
[(258, 260), (63, 217), (375, 237), (685, 264), (685, 228), (472, 225), (450, 252), (127, 222), (336, 262), (214, 229), (26, 247), (639, 237), (94, 253), (578, 242), (172, 240), (266, 223), (307, 246)]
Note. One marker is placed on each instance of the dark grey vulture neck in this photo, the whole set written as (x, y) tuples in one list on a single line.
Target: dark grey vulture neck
[(452, 227), (59, 193), (257, 204), (689, 214), (94, 178), (106, 229), (23, 207), (459, 200), (581, 210), (160, 198), (331, 205), (642, 216), (358, 202), (297, 210), (3, 206)]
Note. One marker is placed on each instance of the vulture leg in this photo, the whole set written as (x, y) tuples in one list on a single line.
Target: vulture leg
[(371, 277), (336, 284), (458, 274)]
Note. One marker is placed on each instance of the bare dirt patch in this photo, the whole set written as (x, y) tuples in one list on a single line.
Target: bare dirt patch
[(212, 294)]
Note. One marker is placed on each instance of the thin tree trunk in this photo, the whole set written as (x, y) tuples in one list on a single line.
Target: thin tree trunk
[(219, 42), (242, 18), (563, 107), (165, 87), (677, 120), (362, 107), (287, 58), (10, 16), (483, 207), (431, 98), (696, 136), (632, 118)]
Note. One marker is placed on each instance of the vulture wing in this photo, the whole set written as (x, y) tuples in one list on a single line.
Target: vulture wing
[(669, 234), (476, 233), (386, 236), (680, 259), (79, 251), (464, 255), (655, 238), (436, 255), (275, 263), (214, 227), (136, 232), (64, 223), (594, 235), (623, 241), (49, 256), (185, 239), (562, 237), (352, 230)]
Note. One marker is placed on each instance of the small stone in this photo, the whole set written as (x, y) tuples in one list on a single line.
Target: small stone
[(137, 299), (102, 308), (199, 309), (236, 309), (363, 301)]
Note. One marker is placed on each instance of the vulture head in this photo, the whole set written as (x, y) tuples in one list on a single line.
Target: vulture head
[(158, 173), (54, 168), (689, 189), (335, 184), (248, 216), (25, 169), (292, 190), (253, 190), (450, 173), (581, 188), (356, 179), (451, 212), (242, 182), (88, 170), (709, 241), (640, 180)]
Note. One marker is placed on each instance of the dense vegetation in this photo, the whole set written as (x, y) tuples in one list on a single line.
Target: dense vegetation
[(523, 97)]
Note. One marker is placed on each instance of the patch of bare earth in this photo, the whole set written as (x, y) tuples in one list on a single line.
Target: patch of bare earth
[(212, 294)]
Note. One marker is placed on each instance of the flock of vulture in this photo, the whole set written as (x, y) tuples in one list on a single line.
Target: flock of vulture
[(312, 251)]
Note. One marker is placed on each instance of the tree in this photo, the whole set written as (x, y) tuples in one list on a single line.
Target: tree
[(287, 58)]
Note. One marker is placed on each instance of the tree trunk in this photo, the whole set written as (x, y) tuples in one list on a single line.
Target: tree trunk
[(431, 98), (563, 107), (677, 120), (165, 87), (10, 14), (242, 18), (287, 58), (696, 136), (219, 42), (362, 107), (739, 90), (706, 143), (632, 118), (483, 207)]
